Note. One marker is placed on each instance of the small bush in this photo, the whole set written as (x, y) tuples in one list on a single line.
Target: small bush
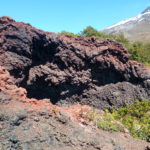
[(68, 33), (134, 118), (105, 121), (90, 31)]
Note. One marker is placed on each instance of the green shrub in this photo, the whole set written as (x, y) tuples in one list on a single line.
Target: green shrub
[(140, 52), (90, 31), (134, 118), (68, 33), (105, 121)]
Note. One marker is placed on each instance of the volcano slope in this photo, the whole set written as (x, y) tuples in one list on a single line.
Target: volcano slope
[(69, 70)]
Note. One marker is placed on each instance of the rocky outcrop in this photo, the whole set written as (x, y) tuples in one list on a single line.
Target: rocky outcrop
[(70, 70), (63, 70), (29, 124)]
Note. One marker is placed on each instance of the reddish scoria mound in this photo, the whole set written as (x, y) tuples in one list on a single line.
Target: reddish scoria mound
[(70, 70)]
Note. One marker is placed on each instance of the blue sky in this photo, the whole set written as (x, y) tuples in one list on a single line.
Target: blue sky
[(71, 15)]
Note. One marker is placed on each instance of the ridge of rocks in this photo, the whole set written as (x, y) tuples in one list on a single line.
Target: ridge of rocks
[(70, 70)]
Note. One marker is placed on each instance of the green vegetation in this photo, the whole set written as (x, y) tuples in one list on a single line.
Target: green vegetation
[(90, 31), (105, 120), (68, 33), (139, 51), (134, 118)]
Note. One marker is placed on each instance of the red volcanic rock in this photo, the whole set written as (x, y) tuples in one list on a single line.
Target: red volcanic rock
[(68, 70), (6, 19)]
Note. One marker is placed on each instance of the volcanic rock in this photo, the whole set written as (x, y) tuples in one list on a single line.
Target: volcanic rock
[(30, 124), (69, 70)]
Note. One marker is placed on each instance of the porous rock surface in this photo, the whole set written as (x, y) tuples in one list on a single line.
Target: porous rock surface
[(29, 124), (70, 70)]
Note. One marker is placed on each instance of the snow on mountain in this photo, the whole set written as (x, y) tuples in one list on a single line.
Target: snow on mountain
[(137, 18), (135, 28)]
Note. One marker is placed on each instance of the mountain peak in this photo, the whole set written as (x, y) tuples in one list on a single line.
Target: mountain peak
[(146, 10), (135, 28)]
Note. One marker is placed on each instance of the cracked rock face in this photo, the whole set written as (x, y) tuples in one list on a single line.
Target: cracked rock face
[(70, 70)]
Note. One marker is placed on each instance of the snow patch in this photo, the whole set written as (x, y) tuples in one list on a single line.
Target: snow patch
[(138, 18)]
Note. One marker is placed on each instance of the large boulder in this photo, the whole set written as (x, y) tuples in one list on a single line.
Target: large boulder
[(71, 70)]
